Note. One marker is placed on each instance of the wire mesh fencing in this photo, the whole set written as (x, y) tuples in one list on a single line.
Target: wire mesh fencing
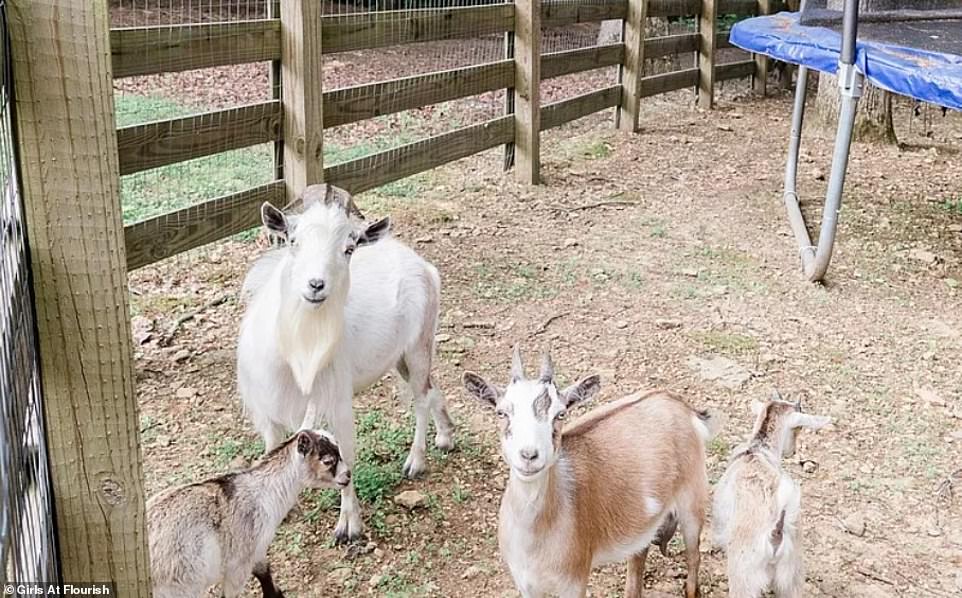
[(27, 538)]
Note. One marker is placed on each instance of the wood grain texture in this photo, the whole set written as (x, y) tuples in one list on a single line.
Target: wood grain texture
[(70, 179), (632, 71), (673, 8), (557, 64), (707, 27), (735, 70), (170, 141), (169, 234), (741, 8), (675, 80), (558, 13), (301, 95), (559, 113), (344, 33), (669, 45), (527, 91), (351, 104), (387, 166), (152, 50)]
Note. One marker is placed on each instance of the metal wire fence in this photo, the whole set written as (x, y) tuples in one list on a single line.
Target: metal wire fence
[(27, 539)]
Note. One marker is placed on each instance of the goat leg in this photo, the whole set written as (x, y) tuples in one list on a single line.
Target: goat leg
[(262, 571)]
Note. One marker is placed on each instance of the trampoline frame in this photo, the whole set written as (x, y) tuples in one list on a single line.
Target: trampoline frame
[(851, 82)]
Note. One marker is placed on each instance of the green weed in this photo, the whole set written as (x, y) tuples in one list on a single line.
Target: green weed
[(726, 342), (226, 450)]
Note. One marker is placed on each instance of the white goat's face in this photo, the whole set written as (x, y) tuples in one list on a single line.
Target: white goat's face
[(531, 415), (321, 241)]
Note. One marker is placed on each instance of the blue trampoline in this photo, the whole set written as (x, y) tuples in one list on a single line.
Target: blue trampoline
[(908, 47)]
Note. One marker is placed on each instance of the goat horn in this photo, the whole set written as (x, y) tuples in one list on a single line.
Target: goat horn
[(517, 367), (547, 367), (776, 396)]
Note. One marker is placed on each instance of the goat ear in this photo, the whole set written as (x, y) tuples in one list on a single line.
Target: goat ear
[(274, 220), (374, 232), (580, 391), (479, 388), (812, 422), (305, 442)]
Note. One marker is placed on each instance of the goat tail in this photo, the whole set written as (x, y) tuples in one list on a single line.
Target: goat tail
[(707, 423)]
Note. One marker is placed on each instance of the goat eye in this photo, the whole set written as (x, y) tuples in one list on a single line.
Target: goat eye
[(349, 250), (561, 415), (500, 413)]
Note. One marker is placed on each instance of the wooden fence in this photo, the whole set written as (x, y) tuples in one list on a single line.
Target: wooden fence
[(152, 50)]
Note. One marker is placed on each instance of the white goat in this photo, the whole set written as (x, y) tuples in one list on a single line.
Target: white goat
[(218, 531), (599, 490), (321, 325), (756, 509)]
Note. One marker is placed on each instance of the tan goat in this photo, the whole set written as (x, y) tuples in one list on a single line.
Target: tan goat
[(756, 507), (599, 490), (218, 531)]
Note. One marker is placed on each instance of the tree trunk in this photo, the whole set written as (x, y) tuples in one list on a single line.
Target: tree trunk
[(873, 122)]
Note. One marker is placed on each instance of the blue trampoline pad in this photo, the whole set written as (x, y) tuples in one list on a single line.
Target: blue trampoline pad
[(927, 76)]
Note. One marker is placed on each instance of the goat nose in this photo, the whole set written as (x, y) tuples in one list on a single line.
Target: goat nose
[(529, 454), (316, 284)]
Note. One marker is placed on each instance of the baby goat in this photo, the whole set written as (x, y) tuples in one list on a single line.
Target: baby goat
[(599, 490), (219, 530), (756, 506)]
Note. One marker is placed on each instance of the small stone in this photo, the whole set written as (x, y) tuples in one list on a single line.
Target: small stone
[(378, 553), (928, 394), (186, 392), (466, 342), (855, 524), (956, 436), (442, 338), (921, 255), (375, 580), (368, 548), (427, 239), (955, 228), (690, 272), (162, 440), (819, 174), (410, 499), (472, 572), (621, 324), (340, 576), (664, 324), (724, 127), (952, 283), (570, 243), (722, 370), (809, 466), (181, 355)]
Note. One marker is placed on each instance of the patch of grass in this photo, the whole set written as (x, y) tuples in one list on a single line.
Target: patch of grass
[(149, 428), (718, 447), (321, 501), (726, 342), (131, 109), (595, 149), (954, 206), (658, 231), (460, 494), (513, 282), (384, 446), (226, 450), (290, 541)]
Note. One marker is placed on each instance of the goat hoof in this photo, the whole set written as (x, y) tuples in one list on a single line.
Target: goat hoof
[(413, 468), (344, 536), (444, 443)]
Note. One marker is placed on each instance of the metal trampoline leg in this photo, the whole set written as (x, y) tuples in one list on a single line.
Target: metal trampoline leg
[(850, 81), (790, 195)]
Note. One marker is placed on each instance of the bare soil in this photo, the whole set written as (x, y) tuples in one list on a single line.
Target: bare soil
[(699, 263)]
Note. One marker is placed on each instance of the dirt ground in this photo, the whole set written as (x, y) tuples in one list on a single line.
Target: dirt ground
[(692, 259)]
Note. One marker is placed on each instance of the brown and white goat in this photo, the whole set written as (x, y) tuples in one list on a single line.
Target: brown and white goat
[(599, 490), (218, 531), (756, 508)]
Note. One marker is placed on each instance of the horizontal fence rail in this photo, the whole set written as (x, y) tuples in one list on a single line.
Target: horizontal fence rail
[(152, 50)]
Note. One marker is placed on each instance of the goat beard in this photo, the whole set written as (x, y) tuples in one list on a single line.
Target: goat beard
[(308, 338)]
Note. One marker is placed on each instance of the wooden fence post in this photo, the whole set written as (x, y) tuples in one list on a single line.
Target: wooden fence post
[(760, 78), (274, 12), (527, 90), (70, 178), (301, 95), (707, 26), (633, 68)]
